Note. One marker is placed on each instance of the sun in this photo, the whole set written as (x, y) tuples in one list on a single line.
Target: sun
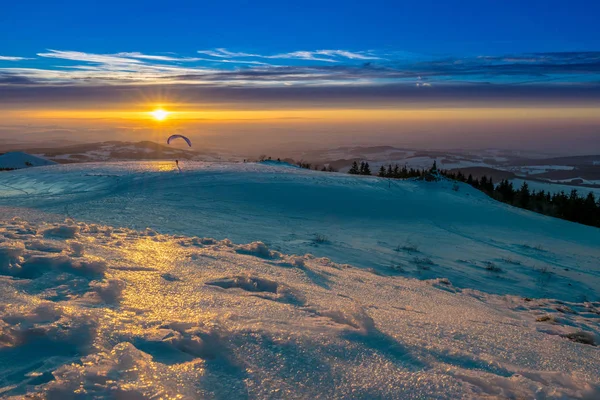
[(159, 114)]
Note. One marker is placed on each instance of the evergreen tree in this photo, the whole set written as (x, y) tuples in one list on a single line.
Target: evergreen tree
[(390, 173), (381, 172), (524, 195), (354, 169), (572, 207), (483, 182), (366, 169)]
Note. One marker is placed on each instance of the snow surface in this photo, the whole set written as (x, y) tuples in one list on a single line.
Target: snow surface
[(138, 314), (17, 159), (267, 281), (408, 228)]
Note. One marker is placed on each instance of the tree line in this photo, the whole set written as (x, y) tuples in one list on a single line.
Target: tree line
[(572, 206)]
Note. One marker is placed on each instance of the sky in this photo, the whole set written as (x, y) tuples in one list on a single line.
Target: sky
[(240, 74)]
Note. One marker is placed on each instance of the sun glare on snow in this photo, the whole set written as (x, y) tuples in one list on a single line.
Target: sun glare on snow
[(159, 114)]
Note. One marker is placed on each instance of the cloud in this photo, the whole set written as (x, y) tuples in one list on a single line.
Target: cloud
[(316, 55), (157, 58), (88, 57), (224, 53), (217, 96), (11, 79), (221, 67), (8, 58)]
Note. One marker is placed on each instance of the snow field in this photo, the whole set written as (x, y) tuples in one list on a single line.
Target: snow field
[(136, 314), (423, 230)]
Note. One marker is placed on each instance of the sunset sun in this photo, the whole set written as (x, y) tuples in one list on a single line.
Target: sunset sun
[(159, 114)]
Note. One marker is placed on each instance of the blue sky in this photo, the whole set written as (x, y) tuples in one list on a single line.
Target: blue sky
[(244, 35), (317, 55), (465, 27), (310, 43)]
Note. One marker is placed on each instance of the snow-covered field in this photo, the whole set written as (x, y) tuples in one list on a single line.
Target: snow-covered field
[(98, 305)]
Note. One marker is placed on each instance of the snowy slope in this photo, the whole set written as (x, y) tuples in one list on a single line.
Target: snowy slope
[(401, 228), (92, 311), (17, 160)]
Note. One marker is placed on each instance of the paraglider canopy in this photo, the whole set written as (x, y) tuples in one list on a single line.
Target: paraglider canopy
[(173, 137)]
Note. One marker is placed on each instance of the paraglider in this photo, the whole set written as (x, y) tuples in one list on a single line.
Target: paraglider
[(172, 137)]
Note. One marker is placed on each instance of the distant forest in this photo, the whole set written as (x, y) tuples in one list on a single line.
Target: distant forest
[(571, 206)]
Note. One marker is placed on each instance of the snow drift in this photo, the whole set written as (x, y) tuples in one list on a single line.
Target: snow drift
[(138, 314)]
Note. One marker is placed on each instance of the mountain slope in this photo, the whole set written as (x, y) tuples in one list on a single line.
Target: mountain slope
[(506, 304), (118, 150), (404, 228), (17, 160)]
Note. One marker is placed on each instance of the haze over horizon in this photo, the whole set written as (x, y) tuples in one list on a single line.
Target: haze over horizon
[(424, 75)]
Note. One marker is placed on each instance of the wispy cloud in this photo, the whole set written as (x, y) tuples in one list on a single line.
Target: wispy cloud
[(330, 56), (89, 57), (157, 58), (9, 58), (224, 53), (225, 68)]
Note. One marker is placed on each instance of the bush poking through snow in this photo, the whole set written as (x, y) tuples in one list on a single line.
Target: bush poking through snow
[(320, 239), (491, 267), (545, 272), (397, 267), (424, 263), (408, 247), (508, 260), (537, 247)]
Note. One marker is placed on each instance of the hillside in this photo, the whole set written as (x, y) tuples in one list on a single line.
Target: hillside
[(131, 297), (364, 221), (576, 172), (119, 150), (18, 160)]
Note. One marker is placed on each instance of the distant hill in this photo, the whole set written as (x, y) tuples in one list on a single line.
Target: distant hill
[(477, 172), (119, 151), (575, 161), (18, 160)]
